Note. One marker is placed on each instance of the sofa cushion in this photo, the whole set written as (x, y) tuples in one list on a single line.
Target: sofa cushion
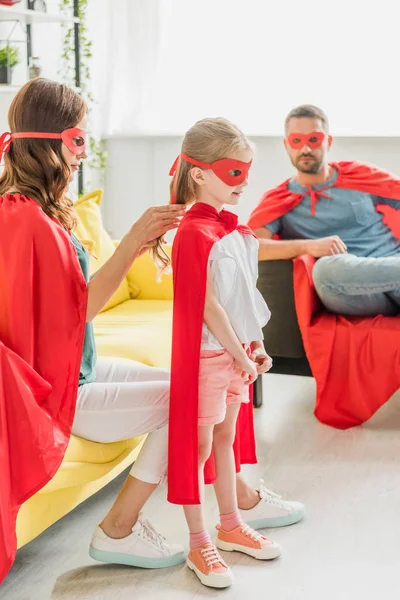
[(91, 232), (143, 276), (87, 461), (137, 329)]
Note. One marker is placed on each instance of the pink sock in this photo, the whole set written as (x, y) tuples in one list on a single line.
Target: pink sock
[(231, 521), (197, 540)]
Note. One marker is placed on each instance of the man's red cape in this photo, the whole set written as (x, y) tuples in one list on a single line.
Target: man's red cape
[(43, 298), (201, 227), (355, 361)]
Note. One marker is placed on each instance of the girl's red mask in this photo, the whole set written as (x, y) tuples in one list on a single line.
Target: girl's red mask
[(74, 139), (230, 171), (312, 140)]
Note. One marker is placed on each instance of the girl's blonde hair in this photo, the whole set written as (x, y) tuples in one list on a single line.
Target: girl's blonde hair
[(207, 141)]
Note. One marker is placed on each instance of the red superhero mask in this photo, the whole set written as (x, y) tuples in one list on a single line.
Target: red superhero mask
[(74, 139), (312, 140), (230, 171)]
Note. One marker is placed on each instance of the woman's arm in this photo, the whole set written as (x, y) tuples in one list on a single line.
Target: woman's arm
[(218, 323), (154, 223)]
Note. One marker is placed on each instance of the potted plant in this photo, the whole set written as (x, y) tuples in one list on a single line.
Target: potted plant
[(9, 57)]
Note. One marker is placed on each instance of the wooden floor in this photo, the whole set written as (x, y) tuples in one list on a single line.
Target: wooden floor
[(347, 548)]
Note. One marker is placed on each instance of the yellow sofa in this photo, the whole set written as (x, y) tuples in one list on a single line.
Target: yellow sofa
[(135, 324)]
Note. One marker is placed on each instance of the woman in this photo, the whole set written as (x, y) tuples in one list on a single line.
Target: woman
[(50, 303)]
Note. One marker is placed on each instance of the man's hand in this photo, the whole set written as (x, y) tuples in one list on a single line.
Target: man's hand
[(325, 246), (261, 358)]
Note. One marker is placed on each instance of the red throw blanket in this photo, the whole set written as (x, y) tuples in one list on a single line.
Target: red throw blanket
[(43, 299), (201, 227), (355, 361)]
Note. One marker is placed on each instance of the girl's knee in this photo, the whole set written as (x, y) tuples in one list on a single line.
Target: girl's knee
[(224, 436), (204, 451)]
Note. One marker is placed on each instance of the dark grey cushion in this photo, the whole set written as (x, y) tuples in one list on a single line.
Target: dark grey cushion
[(282, 334)]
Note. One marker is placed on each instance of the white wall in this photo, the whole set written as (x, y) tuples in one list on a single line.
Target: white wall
[(137, 173), (177, 61)]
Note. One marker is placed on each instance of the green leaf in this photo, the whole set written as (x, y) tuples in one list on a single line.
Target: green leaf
[(9, 56)]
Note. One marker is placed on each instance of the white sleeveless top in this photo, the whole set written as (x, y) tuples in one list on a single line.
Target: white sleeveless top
[(233, 264)]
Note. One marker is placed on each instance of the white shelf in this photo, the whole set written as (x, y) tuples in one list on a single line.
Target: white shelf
[(13, 13)]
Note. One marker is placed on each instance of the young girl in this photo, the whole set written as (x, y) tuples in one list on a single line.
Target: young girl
[(217, 349)]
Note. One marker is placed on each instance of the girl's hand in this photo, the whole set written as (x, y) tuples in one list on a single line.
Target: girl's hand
[(247, 368), (262, 360)]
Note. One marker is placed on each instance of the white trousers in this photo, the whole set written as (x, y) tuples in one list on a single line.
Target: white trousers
[(126, 400)]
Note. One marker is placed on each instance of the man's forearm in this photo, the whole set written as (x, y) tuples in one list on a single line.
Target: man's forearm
[(281, 249)]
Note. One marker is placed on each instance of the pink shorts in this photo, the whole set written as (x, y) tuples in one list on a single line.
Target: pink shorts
[(219, 384)]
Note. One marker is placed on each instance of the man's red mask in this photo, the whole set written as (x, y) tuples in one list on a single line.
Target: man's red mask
[(313, 140)]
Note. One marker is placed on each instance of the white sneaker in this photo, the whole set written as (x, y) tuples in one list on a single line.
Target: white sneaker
[(144, 547), (272, 511)]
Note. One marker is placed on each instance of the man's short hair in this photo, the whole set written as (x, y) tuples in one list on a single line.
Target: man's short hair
[(307, 111)]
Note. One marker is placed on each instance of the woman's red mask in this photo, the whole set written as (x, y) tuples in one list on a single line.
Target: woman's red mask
[(312, 140), (230, 171), (74, 139)]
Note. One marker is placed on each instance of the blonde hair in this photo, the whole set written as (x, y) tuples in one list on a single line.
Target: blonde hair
[(207, 141)]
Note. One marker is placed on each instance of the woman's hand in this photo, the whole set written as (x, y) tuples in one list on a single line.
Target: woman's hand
[(149, 246), (155, 223)]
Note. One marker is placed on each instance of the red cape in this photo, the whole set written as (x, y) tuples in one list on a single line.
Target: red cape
[(351, 176), (355, 361), (201, 227), (43, 299)]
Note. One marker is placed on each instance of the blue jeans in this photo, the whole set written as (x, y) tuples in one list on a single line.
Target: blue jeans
[(350, 285)]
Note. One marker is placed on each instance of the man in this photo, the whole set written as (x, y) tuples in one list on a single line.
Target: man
[(334, 213)]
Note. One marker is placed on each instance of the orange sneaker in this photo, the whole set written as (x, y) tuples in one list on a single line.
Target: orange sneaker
[(245, 539), (209, 567)]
